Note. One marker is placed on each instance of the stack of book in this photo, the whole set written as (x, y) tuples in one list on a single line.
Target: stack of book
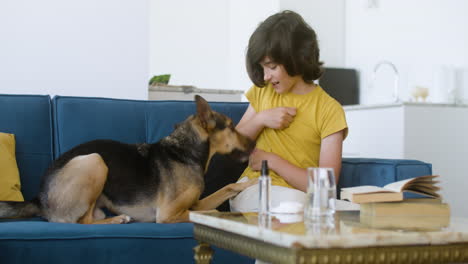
[(386, 207)]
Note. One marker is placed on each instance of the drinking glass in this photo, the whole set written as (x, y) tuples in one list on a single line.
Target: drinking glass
[(321, 193), (320, 225)]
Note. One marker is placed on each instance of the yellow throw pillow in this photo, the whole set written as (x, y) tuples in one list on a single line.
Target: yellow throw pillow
[(10, 187)]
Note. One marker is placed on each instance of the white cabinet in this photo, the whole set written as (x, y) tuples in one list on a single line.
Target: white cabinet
[(435, 133)]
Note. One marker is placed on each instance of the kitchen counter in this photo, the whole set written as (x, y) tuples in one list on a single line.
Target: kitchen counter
[(391, 105)]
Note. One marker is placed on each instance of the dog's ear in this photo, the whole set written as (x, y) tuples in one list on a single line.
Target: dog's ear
[(204, 113)]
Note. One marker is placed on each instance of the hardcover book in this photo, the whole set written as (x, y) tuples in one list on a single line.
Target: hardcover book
[(409, 207), (407, 223)]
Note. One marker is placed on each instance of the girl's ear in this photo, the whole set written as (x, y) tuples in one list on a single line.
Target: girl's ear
[(204, 113)]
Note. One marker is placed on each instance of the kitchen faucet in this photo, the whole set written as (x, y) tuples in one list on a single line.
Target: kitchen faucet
[(395, 79)]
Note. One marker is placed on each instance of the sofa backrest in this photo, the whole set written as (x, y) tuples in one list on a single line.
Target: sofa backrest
[(81, 119), (379, 172), (29, 118)]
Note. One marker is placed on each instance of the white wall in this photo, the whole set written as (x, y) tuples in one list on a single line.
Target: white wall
[(421, 37), (203, 44), (327, 18), (189, 40), (86, 47)]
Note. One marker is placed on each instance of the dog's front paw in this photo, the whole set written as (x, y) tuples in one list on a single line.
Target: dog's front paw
[(240, 186), (122, 219), (251, 182)]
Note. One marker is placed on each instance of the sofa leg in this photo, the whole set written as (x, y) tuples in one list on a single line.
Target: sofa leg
[(203, 253)]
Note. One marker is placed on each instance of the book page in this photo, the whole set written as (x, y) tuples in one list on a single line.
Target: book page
[(397, 186), (412, 183), (365, 189)]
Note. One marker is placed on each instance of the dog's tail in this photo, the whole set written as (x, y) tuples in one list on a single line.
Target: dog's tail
[(19, 209)]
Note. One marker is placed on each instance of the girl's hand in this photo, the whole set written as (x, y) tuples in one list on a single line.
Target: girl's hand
[(279, 117), (256, 157)]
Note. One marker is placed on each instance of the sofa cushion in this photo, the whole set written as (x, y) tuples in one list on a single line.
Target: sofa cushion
[(44, 242), (28, 117), (10, 186), (73, 243)]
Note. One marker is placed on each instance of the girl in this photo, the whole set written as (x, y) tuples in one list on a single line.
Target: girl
[(295, 122)]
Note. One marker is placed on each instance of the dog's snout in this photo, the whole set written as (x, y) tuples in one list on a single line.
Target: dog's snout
[(250, 145), (247, 143)]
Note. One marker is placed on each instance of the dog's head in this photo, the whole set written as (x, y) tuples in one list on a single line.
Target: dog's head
[(221, 133)]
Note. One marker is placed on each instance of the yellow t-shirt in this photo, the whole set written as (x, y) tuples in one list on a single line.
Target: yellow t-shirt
[(318, 115)]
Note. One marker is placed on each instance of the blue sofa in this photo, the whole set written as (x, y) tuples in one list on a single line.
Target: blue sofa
[(45, 128)]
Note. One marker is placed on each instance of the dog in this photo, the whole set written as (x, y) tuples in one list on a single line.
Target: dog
[(157, 182)]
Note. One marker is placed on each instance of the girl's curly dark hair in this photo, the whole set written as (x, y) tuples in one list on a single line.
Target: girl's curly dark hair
[(288, 40)]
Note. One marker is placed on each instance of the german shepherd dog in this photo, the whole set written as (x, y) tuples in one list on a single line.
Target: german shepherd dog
[(157, 182)]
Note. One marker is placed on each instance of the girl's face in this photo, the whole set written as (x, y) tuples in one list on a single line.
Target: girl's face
[(277, 75)]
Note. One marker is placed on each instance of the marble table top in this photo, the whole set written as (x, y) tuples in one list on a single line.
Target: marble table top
[(346, 230)]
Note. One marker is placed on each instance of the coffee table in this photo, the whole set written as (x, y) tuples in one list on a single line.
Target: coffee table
[(345, 239)]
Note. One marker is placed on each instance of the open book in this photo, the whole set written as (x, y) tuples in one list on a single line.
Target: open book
[(424, 185)]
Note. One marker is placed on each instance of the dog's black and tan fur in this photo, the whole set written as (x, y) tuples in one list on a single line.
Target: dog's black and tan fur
[(157, 182)]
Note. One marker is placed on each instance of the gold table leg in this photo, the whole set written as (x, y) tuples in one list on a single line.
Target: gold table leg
[(203, 253)]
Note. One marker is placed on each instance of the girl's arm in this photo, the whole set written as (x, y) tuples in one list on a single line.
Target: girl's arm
[(252, 123), (330, 157), (331, 152)]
